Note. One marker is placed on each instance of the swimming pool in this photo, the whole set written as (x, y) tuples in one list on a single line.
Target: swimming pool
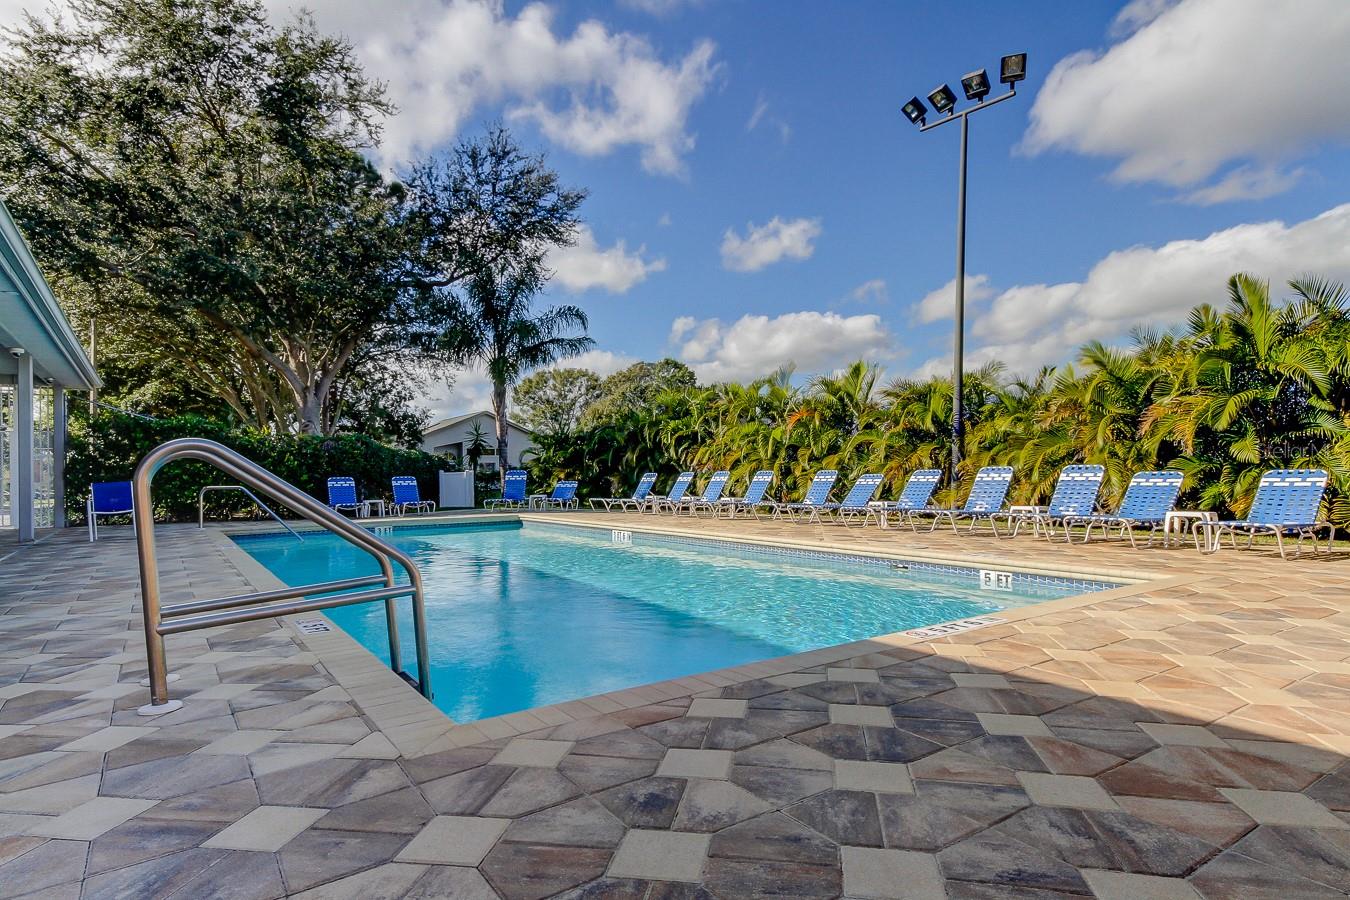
[(527, 614)]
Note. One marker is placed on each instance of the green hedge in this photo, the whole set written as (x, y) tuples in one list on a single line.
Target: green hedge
[(107, 447)]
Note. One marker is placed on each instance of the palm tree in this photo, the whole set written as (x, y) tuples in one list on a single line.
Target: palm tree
[(494, 325)]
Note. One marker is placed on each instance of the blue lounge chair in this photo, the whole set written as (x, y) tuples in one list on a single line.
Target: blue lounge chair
[(1286, 503), (342, 494), (407, 496), (917, 493), (564, 496), (857, 503), (817, 494), (1148, 499), (513, 491), (644, 487), (712, 492), (1075, 495), (985, 500), (674, 496), (108, 498), (754, 496)]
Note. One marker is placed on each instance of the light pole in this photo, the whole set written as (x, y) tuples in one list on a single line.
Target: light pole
[(1012, 69)]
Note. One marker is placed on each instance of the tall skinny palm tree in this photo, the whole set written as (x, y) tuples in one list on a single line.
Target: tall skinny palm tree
[(493, 324)]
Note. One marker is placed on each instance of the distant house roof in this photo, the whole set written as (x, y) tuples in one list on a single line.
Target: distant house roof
[(31, 318), (455, 420)]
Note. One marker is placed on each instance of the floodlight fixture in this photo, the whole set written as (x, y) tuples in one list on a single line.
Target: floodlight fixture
[(976, 85), (943, 100), (915, 111), (1012, 68)]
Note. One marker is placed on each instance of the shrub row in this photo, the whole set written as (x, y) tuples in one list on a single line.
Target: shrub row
[(108, 446)]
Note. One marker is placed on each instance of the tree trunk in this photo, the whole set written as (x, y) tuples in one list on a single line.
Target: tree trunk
[(499, 413), (310, 413)]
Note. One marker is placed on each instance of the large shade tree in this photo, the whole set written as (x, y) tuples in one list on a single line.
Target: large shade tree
[(202, 171)]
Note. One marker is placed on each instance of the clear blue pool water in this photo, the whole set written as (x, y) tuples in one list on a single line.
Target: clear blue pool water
[(527, 616)]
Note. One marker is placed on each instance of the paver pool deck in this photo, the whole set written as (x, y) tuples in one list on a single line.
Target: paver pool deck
[(1183, 737)]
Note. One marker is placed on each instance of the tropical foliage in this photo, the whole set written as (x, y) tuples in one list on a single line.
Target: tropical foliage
[(1257, 384), (107, 447)]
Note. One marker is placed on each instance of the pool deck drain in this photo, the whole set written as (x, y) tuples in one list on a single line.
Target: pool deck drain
[(1184, 736)]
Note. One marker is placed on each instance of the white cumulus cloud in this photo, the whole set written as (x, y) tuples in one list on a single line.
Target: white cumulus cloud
[(764, 245), (592, 91), (1200, 85), (1030, 325), (753, 346), (586, 265), (941, 303), (873, 290)]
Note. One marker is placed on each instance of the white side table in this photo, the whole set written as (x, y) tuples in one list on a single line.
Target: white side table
[(1174, 524), (1034, 513), (368, 505)]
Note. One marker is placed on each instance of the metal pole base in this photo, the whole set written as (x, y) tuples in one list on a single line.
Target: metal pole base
[(145, 682), (151, 709)]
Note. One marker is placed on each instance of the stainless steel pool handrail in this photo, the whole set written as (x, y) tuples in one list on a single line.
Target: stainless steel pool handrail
[(201, 506), (258, 604)]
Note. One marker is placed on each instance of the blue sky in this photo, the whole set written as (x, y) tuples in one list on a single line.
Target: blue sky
[(756, 198)]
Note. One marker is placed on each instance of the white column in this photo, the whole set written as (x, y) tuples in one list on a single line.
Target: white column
[(23, 449), (59, 455)]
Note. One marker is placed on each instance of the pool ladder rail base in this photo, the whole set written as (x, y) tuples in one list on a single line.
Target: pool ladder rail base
[(196, 614)]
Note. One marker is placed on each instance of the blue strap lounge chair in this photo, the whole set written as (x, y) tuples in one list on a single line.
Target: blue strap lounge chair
[(1286, 504), (985, 500), (644, 487), (712, 492), (917, 494), (342, 494), (513, 491), (564, 496), (108, 498), (407, 496), (754, 496), (817, 495), (857, 504), (1149, 497), (1075, 495), (674, 496)]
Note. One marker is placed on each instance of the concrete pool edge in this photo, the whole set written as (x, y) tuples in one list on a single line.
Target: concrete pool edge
[(416, 727)]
